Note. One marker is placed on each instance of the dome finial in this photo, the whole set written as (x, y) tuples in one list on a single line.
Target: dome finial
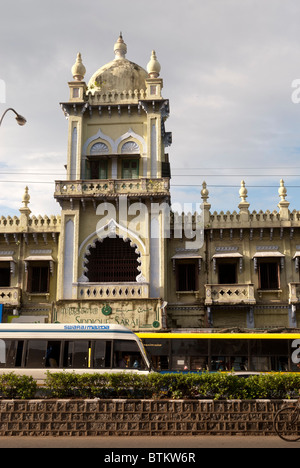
[(243, 192), (282, 191), (153, 66), (120, 48), (26, 198), (78, 69), (204, 192)]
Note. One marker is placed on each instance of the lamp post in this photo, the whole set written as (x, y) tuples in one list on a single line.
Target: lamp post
[(19, 118)]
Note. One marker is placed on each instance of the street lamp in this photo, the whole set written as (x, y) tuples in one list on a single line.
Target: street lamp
[(19, 118)]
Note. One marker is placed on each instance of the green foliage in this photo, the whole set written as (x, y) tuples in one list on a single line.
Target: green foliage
[(153, 386), (173, 386), (16, 386)]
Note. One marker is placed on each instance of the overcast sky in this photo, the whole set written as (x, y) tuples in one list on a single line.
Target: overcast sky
[(227, 66)]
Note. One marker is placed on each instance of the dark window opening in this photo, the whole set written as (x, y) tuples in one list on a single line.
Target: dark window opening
[(269, 275), (96, 169), (165, 169), (4, 276), (186, 277), (227, 273), (38, 279), (112, 260)]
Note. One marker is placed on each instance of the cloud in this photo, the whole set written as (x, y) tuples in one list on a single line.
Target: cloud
[(227, 67)]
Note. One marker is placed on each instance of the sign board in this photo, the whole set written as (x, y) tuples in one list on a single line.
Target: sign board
[(139, 314)]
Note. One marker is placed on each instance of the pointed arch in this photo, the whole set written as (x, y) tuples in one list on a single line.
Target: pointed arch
[(130, 135), (112, 229), (114, 144), (112, 260)]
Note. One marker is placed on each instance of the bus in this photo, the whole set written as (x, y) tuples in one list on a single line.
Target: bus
[(212, 352), (34, 349)]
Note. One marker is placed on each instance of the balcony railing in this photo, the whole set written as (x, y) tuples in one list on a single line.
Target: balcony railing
[(229, 294), (112, 291), (112, 187), (10, 296), (294, 293)]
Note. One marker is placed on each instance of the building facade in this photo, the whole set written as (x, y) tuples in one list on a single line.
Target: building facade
[(116, 253)]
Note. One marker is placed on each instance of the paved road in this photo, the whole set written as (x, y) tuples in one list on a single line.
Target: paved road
[(163, 443)]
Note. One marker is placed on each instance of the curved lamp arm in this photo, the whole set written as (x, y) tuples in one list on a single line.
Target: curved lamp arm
[(19, 118)]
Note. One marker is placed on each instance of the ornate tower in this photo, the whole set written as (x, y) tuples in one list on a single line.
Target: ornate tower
[(113, 246)]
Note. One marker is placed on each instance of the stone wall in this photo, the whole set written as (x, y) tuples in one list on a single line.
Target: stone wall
[(136, 417)]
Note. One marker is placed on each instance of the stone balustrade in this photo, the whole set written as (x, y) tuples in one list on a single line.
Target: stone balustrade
[(97, 96), (112, 187), (112, 291), (229, 294), (10, 296)]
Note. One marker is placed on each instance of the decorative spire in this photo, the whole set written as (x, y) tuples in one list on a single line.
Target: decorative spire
[(283, 205), (282, 191), (244, 205), (25, 211), (153, 66), (120, 48), (243, 192), (204, 192), (26, 198), (78, 69)]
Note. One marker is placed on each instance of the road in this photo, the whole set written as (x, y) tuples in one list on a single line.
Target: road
[(127, 444)]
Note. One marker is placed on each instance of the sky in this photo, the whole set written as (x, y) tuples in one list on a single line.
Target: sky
[(228, 67)]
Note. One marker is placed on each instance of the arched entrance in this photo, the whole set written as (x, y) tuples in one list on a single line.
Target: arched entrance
[(112, 260)]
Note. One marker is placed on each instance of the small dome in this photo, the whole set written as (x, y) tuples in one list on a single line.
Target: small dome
[(153, 66), (120, 74), (78, 69)]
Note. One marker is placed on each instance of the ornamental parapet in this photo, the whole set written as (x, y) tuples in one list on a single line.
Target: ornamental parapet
[(112, 188), (229, 294), (96, 97), (104, 291), (10, 296), (32, 223)]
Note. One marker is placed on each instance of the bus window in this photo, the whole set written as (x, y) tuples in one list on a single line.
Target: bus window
[(76, 354), (189, 354), (269, 355), (102, 354), (158, 351), (127, 355), (36, 354), (19, 355), (229, 354), (53, 354), (9, 356)]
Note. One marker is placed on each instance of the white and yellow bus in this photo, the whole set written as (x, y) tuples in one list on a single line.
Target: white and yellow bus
[(34, 349), (242, 352)]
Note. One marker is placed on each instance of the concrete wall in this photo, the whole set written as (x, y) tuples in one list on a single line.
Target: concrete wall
[(137, 417)]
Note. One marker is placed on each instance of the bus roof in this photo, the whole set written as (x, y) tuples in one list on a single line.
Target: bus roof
[(223, 336), (72, 327)]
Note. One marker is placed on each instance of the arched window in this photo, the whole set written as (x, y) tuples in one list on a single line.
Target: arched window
[(112, 261), (130, 147), (99, 148)]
